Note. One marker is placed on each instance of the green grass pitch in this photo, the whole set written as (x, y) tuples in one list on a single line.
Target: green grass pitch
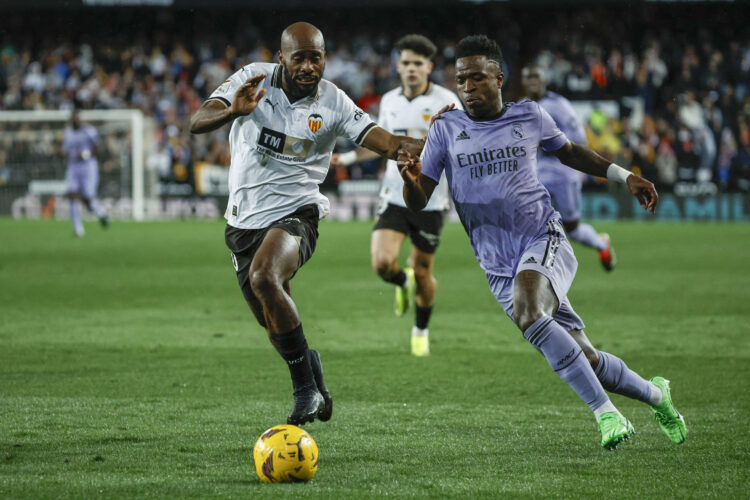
[(131, 367)]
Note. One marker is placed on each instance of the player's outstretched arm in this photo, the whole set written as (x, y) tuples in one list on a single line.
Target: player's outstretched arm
[(418, 188), (589, 162), (358, 155), (214, 113), (388, 145)]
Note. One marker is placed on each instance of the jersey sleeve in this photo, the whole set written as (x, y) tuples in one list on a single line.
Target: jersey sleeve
[(225, 92), (353, 122), (551, 137), (433, 154), (572, 126)]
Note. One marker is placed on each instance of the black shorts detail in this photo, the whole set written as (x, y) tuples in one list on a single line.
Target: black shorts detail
[(422, 227), (244, 243)]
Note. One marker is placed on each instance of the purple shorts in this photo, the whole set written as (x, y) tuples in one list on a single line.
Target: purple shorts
[(83, 180), (551, 255)]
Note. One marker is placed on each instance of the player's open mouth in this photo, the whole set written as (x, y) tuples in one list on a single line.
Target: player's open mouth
[(471, 100), (307, 82)]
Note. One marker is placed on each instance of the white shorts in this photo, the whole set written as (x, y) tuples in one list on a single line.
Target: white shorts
[(83, 180), (552, 256)]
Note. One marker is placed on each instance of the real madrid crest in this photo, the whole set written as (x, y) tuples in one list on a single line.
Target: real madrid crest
[(517, 130), (314, 121)]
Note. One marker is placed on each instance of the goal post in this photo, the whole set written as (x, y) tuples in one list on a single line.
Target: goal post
[(31, 162)]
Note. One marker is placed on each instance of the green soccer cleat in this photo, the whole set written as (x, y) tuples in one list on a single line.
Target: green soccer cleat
[(666, 415), (404, 293), (615, 429)]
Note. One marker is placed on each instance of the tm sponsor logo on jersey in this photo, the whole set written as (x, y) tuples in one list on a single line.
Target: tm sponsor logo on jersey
[(491, 161), (283, 147)]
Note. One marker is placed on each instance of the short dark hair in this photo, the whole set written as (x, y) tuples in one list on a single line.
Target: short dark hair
[(480, 45), (418, 44)]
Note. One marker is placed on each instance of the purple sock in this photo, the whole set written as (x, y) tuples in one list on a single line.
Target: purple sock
[(616, 377), (586, 234), (564, 355)]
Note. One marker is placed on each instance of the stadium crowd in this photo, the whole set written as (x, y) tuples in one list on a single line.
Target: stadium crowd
[(690, 121)]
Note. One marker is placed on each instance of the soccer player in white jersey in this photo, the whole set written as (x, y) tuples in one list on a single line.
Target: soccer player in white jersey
[(285, 121), (407, 110), (82, 175), (489, 156), (563, 183)]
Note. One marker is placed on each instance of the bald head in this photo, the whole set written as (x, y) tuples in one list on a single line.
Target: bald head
[(303, 58), (301, 36)]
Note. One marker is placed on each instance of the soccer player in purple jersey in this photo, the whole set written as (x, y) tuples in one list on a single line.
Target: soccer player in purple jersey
[(488, 154), (563, 183), (82, 174)]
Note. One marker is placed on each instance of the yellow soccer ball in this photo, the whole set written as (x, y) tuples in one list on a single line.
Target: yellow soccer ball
[(285, 454)]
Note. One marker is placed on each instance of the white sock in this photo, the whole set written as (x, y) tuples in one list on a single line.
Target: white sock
[(656, 395), (605, 408), (419, 332), (587, 235)]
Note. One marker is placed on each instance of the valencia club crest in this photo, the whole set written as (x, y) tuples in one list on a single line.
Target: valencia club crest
[(314, 121)]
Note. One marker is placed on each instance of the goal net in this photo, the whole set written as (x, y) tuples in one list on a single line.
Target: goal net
[(32, 163)]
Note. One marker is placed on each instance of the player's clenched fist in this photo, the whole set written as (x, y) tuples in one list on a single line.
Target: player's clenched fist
[(246, 99)]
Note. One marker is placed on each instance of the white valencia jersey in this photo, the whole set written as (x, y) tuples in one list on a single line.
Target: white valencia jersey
[(280, 153), (402, 116)]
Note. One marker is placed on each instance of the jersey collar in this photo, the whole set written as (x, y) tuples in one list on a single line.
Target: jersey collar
[(427, 91)]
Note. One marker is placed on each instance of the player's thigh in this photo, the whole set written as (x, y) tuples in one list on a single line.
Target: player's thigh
[(385, 245), (533, 296), (90, 183), (277, 257), (73, 185), (287, 245)]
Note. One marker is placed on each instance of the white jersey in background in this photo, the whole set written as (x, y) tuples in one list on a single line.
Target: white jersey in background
[(280, 153), (402, 116)]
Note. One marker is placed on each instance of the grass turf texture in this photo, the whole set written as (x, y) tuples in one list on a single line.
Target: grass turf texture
[(131, 367)]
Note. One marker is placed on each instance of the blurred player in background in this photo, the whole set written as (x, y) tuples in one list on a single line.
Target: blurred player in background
[(407, 110), (285, 121), (489, 155), (563, 183), (82, 174)]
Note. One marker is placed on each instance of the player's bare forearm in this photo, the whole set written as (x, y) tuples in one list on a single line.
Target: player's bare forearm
[(210, 116), (583, 159), (387, 145), (414, 195)]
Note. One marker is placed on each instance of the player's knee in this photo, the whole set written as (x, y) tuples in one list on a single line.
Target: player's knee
[(422, 274), (382, 265), (525, 315), (263, 282)]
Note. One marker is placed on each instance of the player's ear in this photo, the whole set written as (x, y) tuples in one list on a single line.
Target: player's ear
[(430, 66), (281, 57), (500, 79)]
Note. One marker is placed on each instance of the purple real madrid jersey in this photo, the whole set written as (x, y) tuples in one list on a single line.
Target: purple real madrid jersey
[(492, 174)]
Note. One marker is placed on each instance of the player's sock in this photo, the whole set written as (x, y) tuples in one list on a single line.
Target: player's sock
[(586, 234), (293, 348), (616, 377), (75, 218), (564, 355), (423, 317), (398, 279), (97, 209)]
